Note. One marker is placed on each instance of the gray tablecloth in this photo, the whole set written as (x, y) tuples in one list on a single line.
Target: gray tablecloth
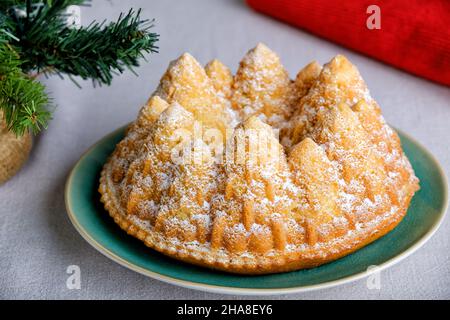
[(37, 241)]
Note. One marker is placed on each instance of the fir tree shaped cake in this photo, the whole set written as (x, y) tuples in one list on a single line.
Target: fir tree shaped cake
[(257, 173)]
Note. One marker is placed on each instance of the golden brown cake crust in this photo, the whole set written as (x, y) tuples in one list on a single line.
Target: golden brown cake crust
[(340, 181), (260, 265)]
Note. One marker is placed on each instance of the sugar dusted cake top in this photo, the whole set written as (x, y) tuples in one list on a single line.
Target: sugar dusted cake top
[(258, 173)]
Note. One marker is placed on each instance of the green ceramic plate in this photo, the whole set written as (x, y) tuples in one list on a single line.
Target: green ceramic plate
[(94, 224)]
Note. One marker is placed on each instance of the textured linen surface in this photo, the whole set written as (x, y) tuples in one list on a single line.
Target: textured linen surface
[(37, 241)]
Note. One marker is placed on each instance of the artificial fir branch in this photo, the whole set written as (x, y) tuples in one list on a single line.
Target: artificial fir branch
[(38, 33), (93, 52), (24, 104), (23, 101)]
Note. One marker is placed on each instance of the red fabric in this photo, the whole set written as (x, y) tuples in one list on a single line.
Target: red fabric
[(414, 34)]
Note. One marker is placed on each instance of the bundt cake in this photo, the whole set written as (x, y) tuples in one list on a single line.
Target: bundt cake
[(257, 173)]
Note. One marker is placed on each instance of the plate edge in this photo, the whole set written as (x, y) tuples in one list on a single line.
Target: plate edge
[(252, 291)]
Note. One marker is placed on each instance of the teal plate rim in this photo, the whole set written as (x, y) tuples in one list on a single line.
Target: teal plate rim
[(409, 145)]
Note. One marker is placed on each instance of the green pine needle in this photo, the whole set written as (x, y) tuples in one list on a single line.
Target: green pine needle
[(24, 104), (23, 101)]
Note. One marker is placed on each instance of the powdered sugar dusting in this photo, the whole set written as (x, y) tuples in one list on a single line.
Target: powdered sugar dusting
[(354, 175)]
